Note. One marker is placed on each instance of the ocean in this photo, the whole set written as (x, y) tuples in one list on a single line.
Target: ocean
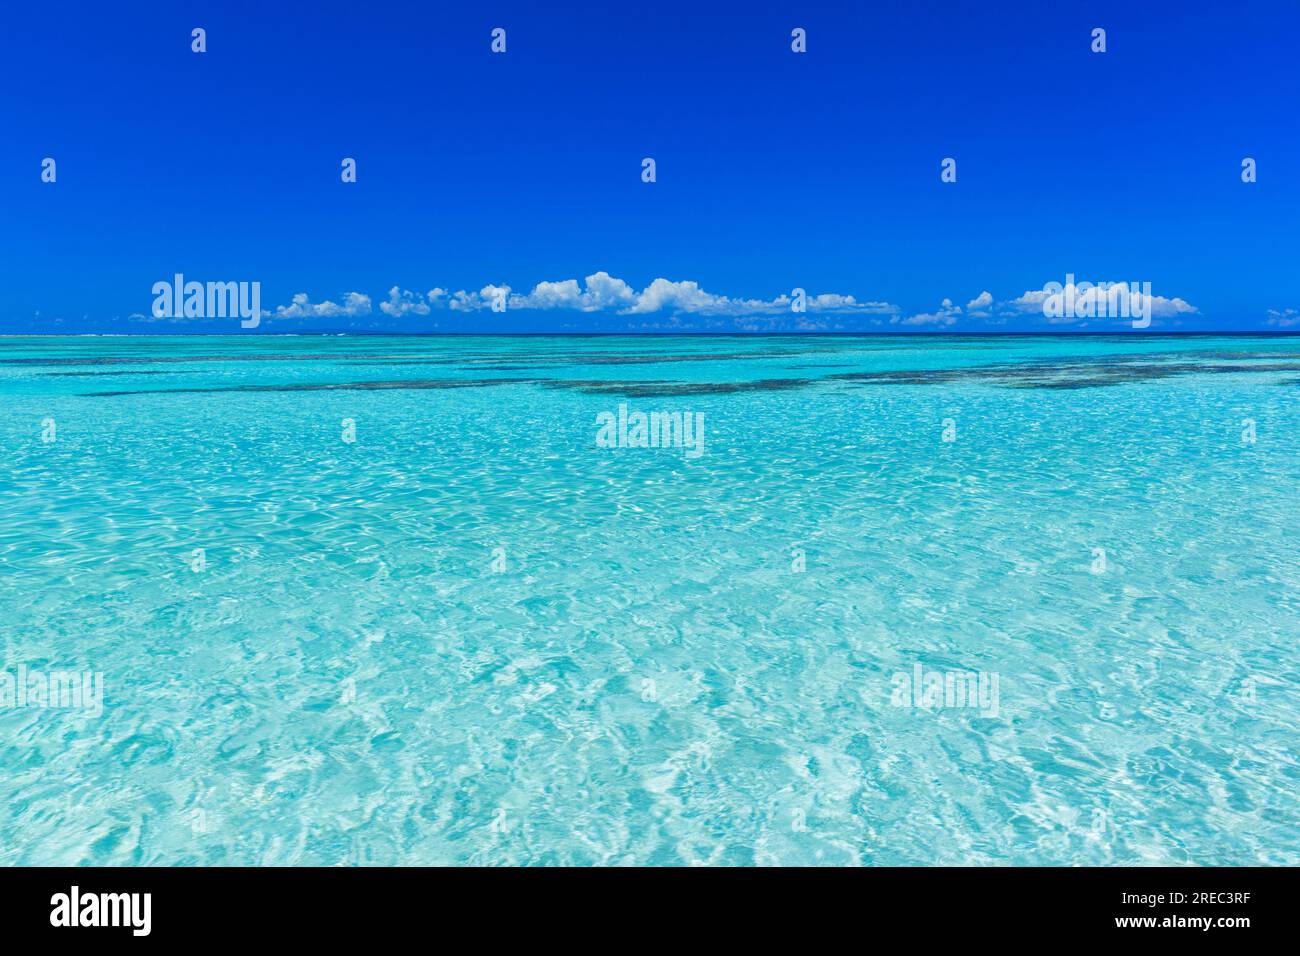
[(650, 600)]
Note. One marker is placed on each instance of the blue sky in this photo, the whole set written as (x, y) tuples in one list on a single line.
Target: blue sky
[(775, 170)]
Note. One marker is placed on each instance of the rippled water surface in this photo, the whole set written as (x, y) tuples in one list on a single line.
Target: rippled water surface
[(473, 636)]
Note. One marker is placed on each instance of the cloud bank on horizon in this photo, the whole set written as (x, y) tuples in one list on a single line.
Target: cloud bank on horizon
[(679, 300)]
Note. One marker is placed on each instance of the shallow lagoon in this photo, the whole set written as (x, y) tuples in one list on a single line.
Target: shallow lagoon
[(474, 635)]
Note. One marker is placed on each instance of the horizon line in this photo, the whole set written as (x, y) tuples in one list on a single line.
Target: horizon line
[(1278, 333)]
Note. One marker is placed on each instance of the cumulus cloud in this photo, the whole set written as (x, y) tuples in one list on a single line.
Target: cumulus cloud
[(552, 295), (606, 292), (687, 297), (947, 314), (484, 298), (831, 302), (980, 307), (683, 296), (354, 303), (400, 302), (601, 292), (1283, 318), (663, 300), (1033, 301)]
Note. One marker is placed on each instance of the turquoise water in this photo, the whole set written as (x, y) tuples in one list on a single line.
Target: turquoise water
[(472, 635)]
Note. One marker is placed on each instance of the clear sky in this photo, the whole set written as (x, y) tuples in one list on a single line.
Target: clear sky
[(774, 169)]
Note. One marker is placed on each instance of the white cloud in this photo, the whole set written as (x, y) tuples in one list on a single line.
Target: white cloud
[(354, 303), (687, 296), (551, 295), (664, 298), (400, 302), (1283, 318), (946, 314), (980, 306), (601, 292), (463, 301), (684, 296), (832, 302), (1164, 308), (604, 291), (1033, 300)]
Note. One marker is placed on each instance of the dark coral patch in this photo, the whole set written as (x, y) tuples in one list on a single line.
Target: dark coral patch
[(416, 384), (660, 389)]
